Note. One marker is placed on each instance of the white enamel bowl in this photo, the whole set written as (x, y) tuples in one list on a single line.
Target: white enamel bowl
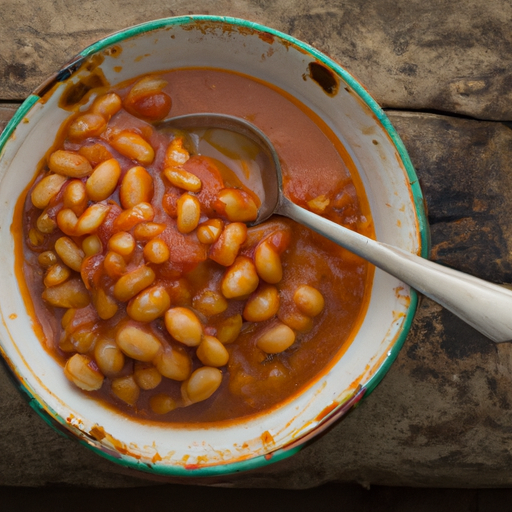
[(393, 194)]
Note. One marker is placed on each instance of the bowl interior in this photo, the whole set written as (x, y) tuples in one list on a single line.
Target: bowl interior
[(381, 163)]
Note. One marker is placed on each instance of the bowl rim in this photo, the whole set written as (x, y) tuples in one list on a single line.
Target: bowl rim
[(221, 469)]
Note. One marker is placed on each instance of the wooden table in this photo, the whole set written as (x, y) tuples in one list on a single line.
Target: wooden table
[(442, 70)]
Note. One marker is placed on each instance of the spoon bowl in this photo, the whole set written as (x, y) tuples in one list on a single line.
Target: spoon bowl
[(483, 305), (263, 155)]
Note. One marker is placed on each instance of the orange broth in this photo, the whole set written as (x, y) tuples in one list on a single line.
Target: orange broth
[(315, 165)]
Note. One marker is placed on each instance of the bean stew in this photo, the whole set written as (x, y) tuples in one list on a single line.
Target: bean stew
[(149, 286)]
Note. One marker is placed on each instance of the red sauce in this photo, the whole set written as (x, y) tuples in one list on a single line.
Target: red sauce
[(318, 173)]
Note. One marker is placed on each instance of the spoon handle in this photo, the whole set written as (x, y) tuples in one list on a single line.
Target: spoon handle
[(485, 306)]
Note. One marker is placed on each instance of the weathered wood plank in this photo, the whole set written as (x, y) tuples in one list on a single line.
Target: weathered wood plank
[(443, 55), (7, 110)]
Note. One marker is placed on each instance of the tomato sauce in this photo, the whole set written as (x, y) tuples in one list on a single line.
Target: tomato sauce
[(318, 175)]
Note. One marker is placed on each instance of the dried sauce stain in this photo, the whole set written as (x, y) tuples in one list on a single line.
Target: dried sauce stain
[(267, 438), (268, 38), (98, 433), (325, 412), (404, 297), (114, 51), (93, 62), (71, 420), (76, 92), (211, 27), (369, 130), (202, 460), (140, 57), (324, 77), (207, 26)]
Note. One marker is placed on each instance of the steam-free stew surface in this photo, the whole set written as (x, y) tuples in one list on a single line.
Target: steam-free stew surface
[(149, 287)]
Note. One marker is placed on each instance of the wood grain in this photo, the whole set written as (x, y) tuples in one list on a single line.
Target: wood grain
[(7, 110), (442, 415), (451, 56)]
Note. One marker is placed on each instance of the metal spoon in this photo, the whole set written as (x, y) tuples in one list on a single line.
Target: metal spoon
[(485, 306)]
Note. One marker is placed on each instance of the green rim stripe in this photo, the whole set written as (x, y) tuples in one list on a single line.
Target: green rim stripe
[(16, 119)]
